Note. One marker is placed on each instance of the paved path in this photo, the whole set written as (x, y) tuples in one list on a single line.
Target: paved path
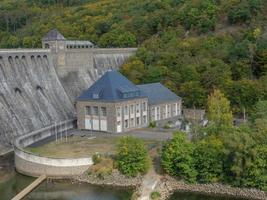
[(150, 182), (29, 188)]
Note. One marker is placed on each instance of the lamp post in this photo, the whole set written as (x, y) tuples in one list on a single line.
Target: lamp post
[(91, 121)]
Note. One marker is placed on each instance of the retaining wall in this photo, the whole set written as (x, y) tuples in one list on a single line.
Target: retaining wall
[(34, 165)]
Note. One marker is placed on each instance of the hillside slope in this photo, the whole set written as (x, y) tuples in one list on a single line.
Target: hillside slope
[(192, 46)]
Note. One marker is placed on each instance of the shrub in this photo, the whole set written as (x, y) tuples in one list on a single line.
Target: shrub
[(167, 125), (132, 156), (96, 158), (103, 168), (155, 195), (152, 124), (177, 157)]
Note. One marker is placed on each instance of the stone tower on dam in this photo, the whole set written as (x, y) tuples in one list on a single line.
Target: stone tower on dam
[(38, 86)]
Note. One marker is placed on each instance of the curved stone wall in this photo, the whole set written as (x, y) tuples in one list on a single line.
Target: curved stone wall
[(35, 165)]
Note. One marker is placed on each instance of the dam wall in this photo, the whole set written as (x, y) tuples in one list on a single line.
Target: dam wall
[(79, 68), (38, 87), (31, 94)]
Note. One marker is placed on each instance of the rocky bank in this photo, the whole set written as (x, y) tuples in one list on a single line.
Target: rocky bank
[(168, 185)]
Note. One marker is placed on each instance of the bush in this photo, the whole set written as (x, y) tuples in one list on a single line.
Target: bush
[(152, 124), (96, 158), (155, 195), (103, 168), (177, 158), (132, 156)]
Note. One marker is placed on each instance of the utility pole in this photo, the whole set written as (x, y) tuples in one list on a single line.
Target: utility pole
[(91, 127), (56, 130), (66, 132), (60, 125)]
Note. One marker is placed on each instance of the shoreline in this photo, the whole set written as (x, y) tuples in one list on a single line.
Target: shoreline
[(169, 186)]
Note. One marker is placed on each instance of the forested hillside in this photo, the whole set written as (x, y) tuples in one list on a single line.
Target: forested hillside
[(192, 46)]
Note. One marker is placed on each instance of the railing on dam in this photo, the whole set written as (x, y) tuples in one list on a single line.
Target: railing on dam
[(31, 164), (25, 50), (104, 50)]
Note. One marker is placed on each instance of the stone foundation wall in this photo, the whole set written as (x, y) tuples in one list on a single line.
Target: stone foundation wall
[(169, 186), (35, 165), (36, 169)]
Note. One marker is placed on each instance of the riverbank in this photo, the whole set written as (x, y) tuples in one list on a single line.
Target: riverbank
[(168, 186), (114, 179)]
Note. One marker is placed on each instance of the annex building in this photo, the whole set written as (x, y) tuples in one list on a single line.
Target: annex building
[(114, 104)]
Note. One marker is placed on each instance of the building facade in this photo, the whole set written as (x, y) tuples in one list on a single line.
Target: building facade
[(114, 104), (164, 105)]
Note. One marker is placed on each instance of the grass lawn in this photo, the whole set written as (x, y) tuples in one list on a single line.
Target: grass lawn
[(81, 147)]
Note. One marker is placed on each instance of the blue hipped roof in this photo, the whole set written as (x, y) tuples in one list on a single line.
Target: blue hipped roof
[(112, 86), (157, 93)]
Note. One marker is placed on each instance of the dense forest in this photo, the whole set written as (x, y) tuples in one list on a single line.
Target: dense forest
[(192, 46)]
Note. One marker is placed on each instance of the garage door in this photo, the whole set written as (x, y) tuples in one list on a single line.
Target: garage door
[(88, 124), (96, 124), (103, 124)]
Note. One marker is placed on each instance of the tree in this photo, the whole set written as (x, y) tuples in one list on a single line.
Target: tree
[(177, 157), (194, 95), (219, 111), (260, 110), (257, 173), (217, 75), (244, 95), (239, 13), (208, 160), (239, 155), (132, 156), (118, 38), (134, 70)]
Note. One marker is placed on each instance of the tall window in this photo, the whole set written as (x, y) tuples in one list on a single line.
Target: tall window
[(137, 108), (144, 119), (126, 125), (153, 114), (144, 106), (164, 112), (118, 111), (126, 110), (168, 110), (137, 121), (103, 111), (174, 109), (95, 110), (87, 110), (132, 109), (158, 113)]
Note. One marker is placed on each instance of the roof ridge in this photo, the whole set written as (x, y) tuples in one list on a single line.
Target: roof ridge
[(110, 82)]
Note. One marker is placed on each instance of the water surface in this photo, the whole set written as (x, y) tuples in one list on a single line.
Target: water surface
[(12, 183)]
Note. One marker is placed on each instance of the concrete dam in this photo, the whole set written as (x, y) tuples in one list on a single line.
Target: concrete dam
[(38, 87)]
